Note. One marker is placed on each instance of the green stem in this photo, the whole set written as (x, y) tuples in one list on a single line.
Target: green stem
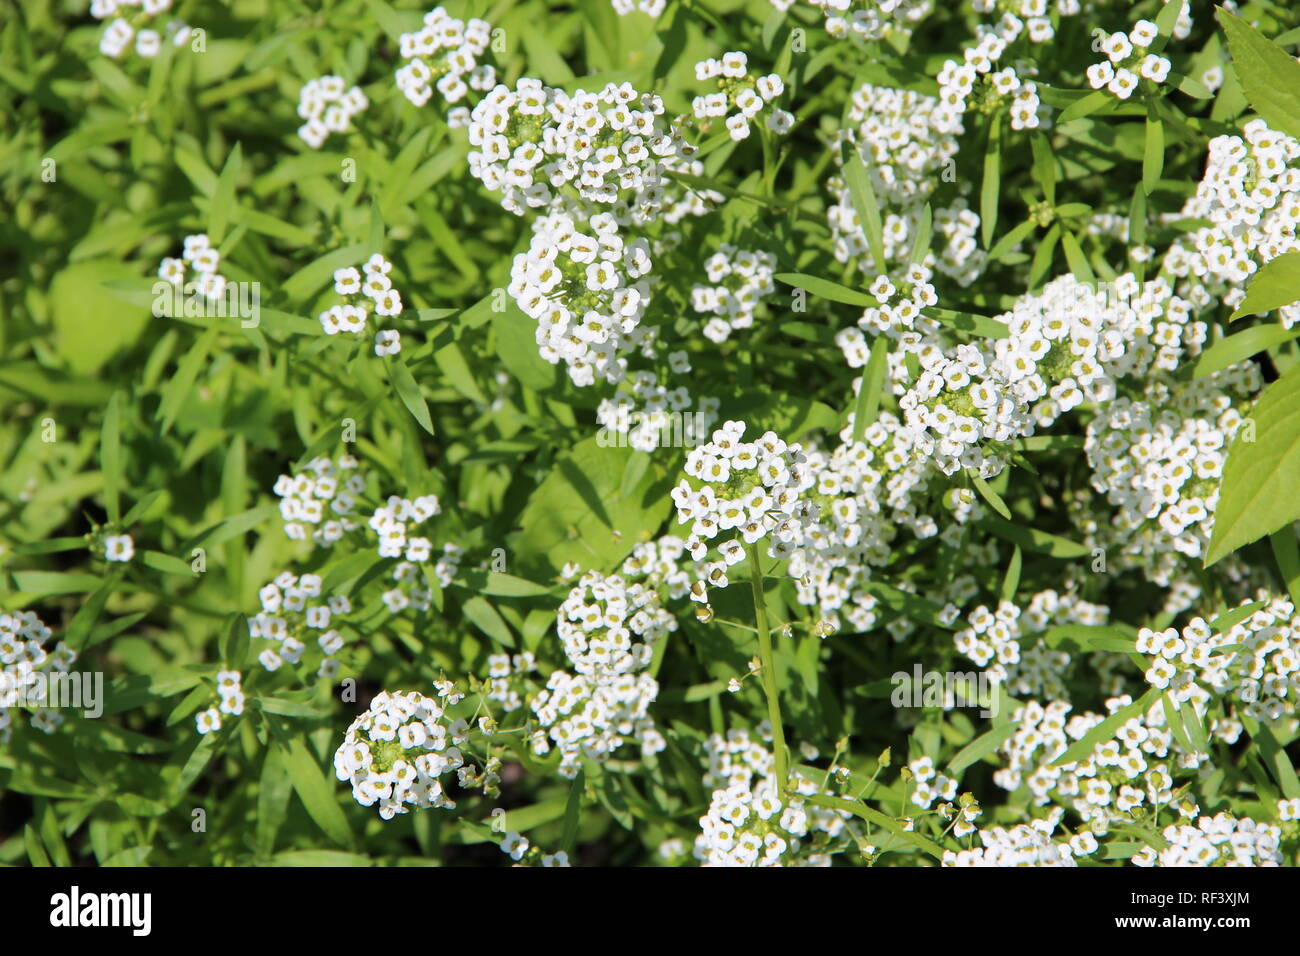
[(768, 660)]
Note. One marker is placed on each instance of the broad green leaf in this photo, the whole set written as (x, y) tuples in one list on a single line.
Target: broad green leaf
[(1257, 491), (827, 289), (1241, 346), (1277, 283), (866, 206), (409, 392), (316, 793), (1269, 75)]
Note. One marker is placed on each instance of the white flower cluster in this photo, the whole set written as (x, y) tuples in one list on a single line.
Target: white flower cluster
[(1254, 664), (1250, 194), (396, 752), (294, 612), (873, 19), (907, 140), (204, 260), (931, 786), (1221, 840), (534, 141), (741, 279), (1127, 61), (118, 547), (327, 106), (1029, 18), (370, 290), (593, 712), (908, 144), (230, 690), (119, 33), (740, 97), (412, 589), (1000, 641), (899, 311), (1132, 769), (446, 53), (651, 8), (505, 675), (1158, 460), (392, 522), (610, 627), (25, 667), (752, 488), (652, 415), (304, 496), (587, 292), (659, 563), (748, 823), (1025, 844), (974, 84)]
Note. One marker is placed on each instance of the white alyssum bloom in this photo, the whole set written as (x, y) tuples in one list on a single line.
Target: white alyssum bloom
[(1127, 61), (119, 547), (741, 97), (132, 24), (739, 279), (1254, 665), (326, 107), (871, 19), (748, 823), (27, 665), (396, 753), (365, 293), (1250, 193), (1159, 458), (319, 501), (587, 288), (607, 149), (199, 255), (298, 621)]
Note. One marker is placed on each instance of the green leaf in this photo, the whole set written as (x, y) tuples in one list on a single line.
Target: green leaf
[(969, 322), (864, 203), (1241, 346), (500, 584), (1011, 580), (924, 230), (1287, 555), (979, 748), (870, 388), (315, 792), (110, 458), (827, 289), (572, 813), (1033, 540), (488, 620), (988, 494), (1257, 491), (1268, 74), (223, 200), (409, 392), (1105, 730), (182, 384), (992, 182), (1277, 283), (1153, 152)]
